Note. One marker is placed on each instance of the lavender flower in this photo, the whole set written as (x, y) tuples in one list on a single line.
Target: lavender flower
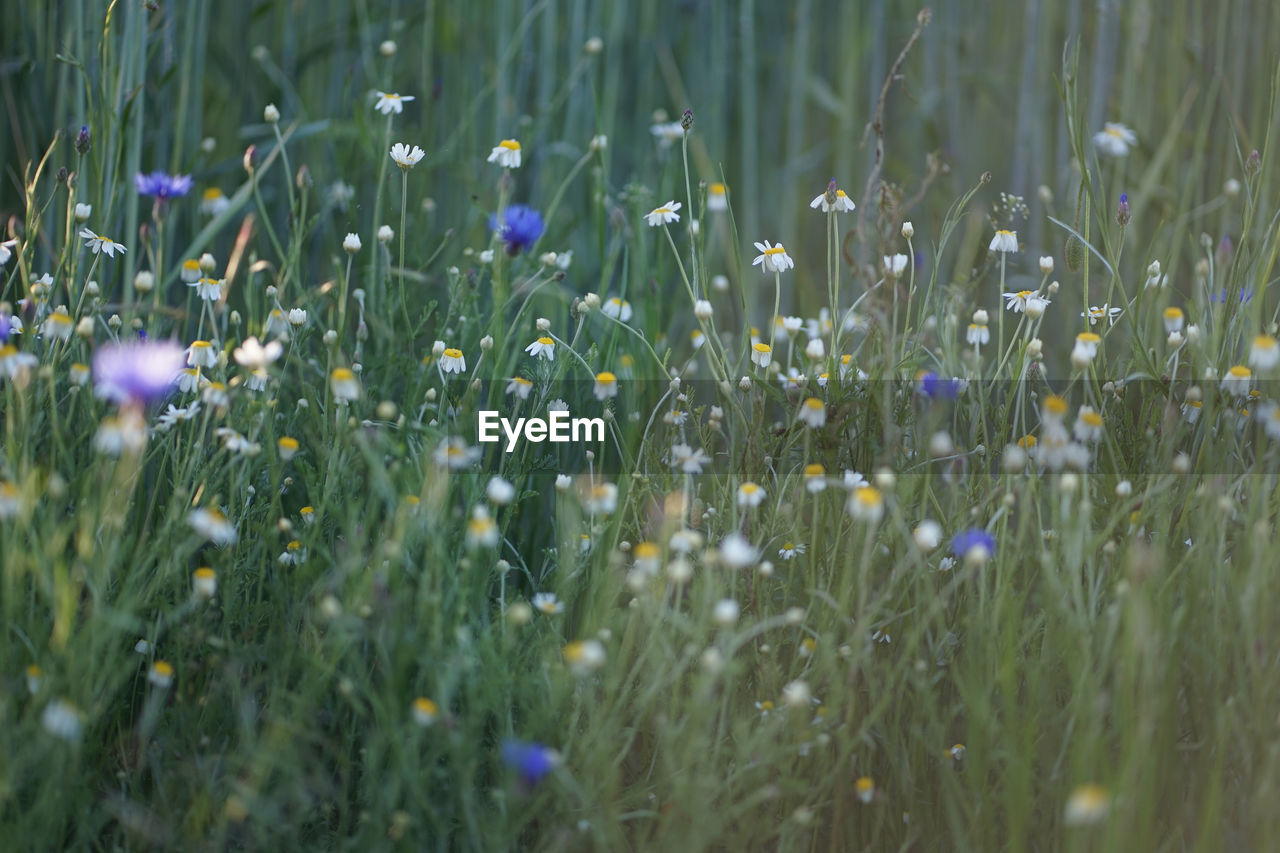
[(520, 227), (163, 186), (137, 372), (531, 760)]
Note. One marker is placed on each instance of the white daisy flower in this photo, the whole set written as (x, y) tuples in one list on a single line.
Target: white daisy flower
[(688, 460), (894, 265), (842, 203), (547, 603), (97, 243), (1264, 354), (453, 361), (664, 214), (255, 356), (813, 412), (737, 553), (618, 309), (772, 258), (751, 495), (606, 385), (210, 523), (208, 289), (405, 157), (717, 198), (1115, 140), (344, 384), (543, 347), (1173, 319), (977, 334), (201, 354), (866, 504), (1237, 381), (390, 102), (1106, 312), (520, 387), (1004, 241), (761, 355), (506, 154)]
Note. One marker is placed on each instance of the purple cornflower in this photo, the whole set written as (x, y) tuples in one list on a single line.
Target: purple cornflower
[(974, 543), (137, 372), (531, 760), (520, 227), (1122, 211), (935, 387), (163, 186)]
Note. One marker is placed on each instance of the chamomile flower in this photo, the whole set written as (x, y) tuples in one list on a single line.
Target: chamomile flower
[(813, 412), (1087, 804), (751, 495), (1269, 414), (1085, 349), (865, 789), (210, 523), (1114, 140), (424, 711), (618, 309), (57, 326), (664, 214), (406, 157), (390, 102), (717, 197), (790, 550), (833, 199), (6, 250), (1017, 302), (815, 478), (208, 289), (1088, 426), (697, 339), (761, 355), (772, 258), (977, 334), (63, 720), (506, 154), (688, 460), (453, 453), (1004, 241), (894, 265), (453, 361), (201, 354), (1173, 319), (1264, 354), (345, 386), (482, 531), (1106, 312), (866, 504), (520, 387), (213, 202), (161, 674), (1237, 381), (253, 355), (606, 385), (584, 656), (97, 243), (927, 535), (601, 499), (543, 347), (737, 553), (547, 603)]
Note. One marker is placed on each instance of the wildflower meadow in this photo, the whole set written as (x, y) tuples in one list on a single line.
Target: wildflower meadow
[(685, 425)]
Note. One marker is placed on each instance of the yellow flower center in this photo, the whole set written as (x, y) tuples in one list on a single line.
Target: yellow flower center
[(453, 353), (288, 443), (1175, 313), (211, 194), (1055, 405), (761, 348), (1089, 338), (606, 378), (509, 144), (716, 189), (814, 470), (343, 374), (425, 706), (646, 551), (546, 342), (868, 497), (205, 574), (1027, 441), (162, 668), (1264, 342), (776, 250), (1239, 371), (813, 404), (1092, 419)]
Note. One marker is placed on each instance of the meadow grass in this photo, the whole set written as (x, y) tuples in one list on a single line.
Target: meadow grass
[(935, 574)]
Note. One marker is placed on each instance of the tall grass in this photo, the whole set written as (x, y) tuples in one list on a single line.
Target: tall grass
[(1122, 633)]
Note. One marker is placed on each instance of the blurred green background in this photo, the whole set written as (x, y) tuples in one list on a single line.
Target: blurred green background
[(782, 95)]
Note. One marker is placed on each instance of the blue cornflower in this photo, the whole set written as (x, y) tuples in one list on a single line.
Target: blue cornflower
[(974, 544), (531, 760), (163, 186), (137, 372), (520, 227), (1245, 296), (935, 387)]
